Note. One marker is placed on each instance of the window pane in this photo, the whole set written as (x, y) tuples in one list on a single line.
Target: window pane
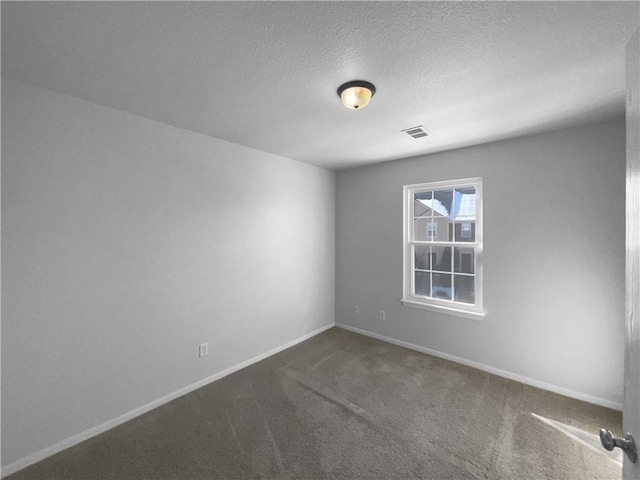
[(464, 289), (442, 286), (463, 260), (465, 204), (465, 215), (421, 258), (441, 258), (422, 284), (442, 201), (422, 204)]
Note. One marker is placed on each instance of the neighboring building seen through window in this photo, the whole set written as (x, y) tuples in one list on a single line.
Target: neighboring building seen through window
[(443, 244)]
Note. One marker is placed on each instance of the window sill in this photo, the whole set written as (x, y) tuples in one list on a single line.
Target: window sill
[(446, 310)]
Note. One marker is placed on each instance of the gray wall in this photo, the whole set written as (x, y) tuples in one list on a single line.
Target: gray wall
[(125, 244), (553, 257)]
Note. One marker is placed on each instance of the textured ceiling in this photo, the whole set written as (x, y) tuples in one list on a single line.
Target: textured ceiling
[(265, 74)]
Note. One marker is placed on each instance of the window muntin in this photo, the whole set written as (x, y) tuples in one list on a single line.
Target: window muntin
[(443, 244)]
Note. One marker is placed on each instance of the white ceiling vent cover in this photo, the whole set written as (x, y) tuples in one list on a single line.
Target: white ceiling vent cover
[(417, 132)]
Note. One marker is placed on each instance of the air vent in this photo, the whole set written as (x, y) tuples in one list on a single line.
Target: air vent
[(417, 132)]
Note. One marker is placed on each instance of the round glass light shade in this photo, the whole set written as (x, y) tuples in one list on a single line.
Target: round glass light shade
[(356, 94), (356, 97)]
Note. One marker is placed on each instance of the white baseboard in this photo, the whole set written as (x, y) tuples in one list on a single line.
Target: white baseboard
[(109, 424), (603, 402)]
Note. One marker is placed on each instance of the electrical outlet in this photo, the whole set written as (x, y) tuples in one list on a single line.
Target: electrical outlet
[(203, 350), (383, 316), (357, 309)]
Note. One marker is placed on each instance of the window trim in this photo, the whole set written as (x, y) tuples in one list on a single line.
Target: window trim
[(449, 307)]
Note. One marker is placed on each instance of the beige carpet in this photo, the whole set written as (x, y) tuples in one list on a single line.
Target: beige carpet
[(343, 406)]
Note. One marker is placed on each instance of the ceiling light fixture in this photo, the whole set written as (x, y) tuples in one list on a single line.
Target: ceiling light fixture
[(356, 94)]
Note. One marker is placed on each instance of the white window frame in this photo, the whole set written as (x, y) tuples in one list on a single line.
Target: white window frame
[(450, 307)]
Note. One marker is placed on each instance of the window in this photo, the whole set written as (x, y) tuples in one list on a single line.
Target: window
[(465, 230), (443, 247)]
